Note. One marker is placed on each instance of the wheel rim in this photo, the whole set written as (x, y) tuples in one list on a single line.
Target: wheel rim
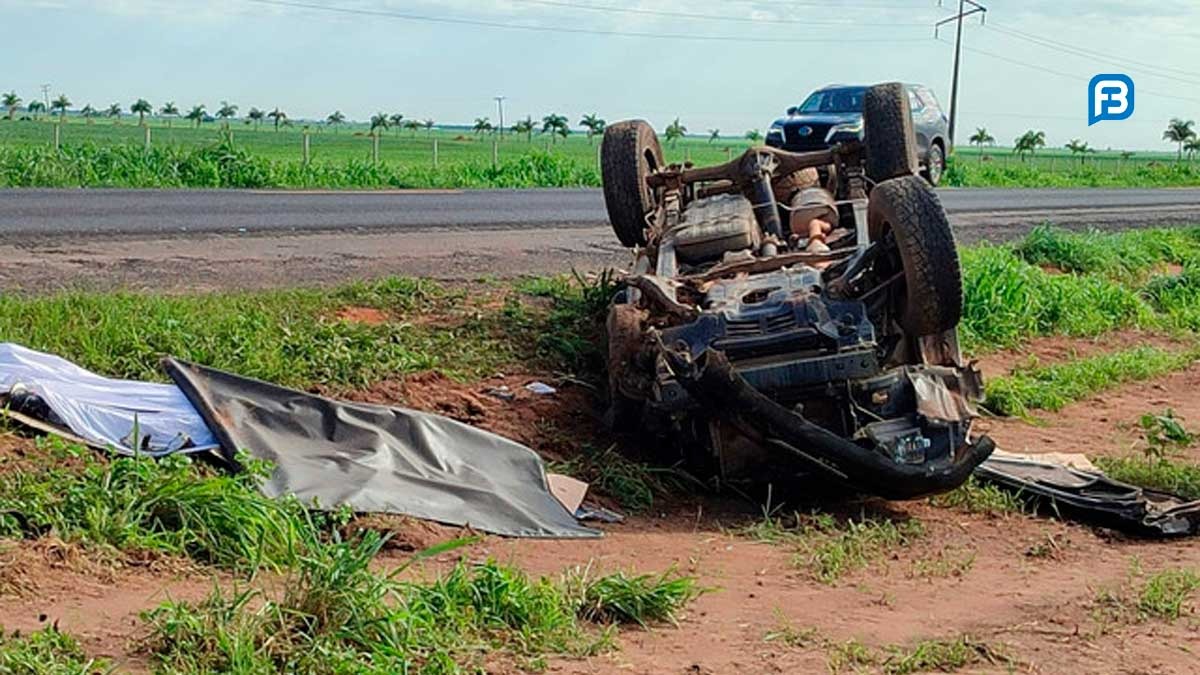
[(936, 164)]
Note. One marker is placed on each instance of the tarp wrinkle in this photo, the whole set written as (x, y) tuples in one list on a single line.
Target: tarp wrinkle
[(378, 459)]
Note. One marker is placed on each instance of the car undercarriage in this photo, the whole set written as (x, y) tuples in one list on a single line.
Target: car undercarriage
[(793, 314)]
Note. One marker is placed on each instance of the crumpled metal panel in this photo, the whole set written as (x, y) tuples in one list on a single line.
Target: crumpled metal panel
[(378, 459), (1057, 479)]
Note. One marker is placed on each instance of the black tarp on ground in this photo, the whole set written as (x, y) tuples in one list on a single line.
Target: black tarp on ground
[(378, 459)]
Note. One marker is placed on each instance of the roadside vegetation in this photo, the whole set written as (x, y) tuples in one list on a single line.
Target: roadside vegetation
[(1166, 595), (827, 548)]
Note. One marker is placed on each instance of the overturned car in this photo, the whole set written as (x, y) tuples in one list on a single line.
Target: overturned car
[(793, 314)]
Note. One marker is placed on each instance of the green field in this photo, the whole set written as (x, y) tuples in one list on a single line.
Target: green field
[(349, 142), (106, 153)]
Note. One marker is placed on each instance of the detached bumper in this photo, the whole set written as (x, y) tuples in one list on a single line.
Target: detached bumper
[(712, 381)]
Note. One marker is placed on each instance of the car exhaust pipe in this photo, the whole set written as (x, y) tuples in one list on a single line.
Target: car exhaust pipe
[(711, 379)]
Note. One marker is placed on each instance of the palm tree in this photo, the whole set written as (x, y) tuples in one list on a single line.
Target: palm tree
[(379, 121), (196, 114), (526, 127), (35, 107), (980, 137), (226, 112), (256, 116), (1179, 131), (1192, 146), (482, 125), (396, 121), (1029, 142), (11, 101), (88, 113), (142, 107), (674, 132), (555, 125), (278, 117), (593, 124), (428, 124), (335, 118), (169, 110), (114, 111), (754, 136), (61, 104), (713, 134), (1080, 148), (413, 126)]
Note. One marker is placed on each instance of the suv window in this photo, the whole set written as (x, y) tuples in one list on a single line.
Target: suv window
[(914, 101), (927, 96), (841, 100)]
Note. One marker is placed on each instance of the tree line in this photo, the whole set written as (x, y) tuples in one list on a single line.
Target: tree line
[(1178, 131)]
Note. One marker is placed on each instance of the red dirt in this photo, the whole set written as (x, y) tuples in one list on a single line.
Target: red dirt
[(1036, 609), (365, 315), (1049, 350)]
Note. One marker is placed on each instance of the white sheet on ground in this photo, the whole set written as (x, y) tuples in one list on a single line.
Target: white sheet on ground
[(104, 411)]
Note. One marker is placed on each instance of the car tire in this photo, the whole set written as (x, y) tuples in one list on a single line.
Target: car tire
[(888, 138), (629, 153), (909, 208), (935, 166)]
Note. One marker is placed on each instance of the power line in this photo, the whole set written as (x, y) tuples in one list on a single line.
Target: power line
[(1075, 51), (563, 29), (706, 17), (1059, 73), (963, 13), (1089, 52)]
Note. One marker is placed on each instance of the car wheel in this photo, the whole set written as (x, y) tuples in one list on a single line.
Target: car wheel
[(888, 138), (933, 296), (629, 153), (936, 166)]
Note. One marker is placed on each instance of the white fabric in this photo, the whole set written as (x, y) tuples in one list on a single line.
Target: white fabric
[(104, 411)]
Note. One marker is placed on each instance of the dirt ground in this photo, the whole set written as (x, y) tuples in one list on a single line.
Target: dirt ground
[(1026, 586)]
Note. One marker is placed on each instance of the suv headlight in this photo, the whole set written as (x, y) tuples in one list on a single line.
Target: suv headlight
[(775, 130), (855, 127)]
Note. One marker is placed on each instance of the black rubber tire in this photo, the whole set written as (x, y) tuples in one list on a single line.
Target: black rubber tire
[(933, 296), (630, 152), (890, 144), (935, 166)]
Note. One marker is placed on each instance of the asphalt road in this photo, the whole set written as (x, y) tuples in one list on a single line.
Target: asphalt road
[(204, 240), (25, 213)]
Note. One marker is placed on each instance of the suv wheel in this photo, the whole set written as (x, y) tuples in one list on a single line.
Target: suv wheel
[(936, 166), (629, 153), (933, 295)]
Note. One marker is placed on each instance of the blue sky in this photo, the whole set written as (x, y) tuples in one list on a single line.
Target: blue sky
[(771, 53)]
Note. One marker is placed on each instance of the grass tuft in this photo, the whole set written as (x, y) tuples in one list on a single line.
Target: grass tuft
[(1053, 387), (827, 548), (1157, 473), (336, 615), (169, 506), (47, 651), (975, 496)]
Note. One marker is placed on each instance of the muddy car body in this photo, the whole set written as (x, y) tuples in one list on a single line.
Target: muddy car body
[(793, 314)]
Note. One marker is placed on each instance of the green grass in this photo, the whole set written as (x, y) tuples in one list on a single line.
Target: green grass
[(1053, 387), (636, 486), (1124, 255), (131, 506), (1165, 595), (1158, 473), (337, 615), (1056, 171), (975, 496), (940, 655), (46, 652), (827, 548)]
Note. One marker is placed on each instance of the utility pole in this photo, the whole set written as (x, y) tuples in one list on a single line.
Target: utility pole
[(963, 13), (500, 107), (46, 95)]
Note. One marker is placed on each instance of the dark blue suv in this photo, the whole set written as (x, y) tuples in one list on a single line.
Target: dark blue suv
[(834, 113)]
